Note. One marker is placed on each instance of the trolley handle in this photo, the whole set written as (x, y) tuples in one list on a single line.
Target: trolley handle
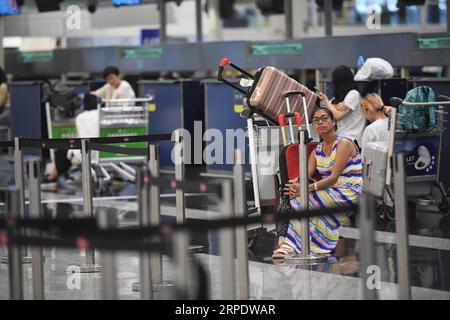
[(227, 62)]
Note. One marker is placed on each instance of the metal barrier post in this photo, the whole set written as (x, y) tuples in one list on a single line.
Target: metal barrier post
[(226, 237), (155, 211), (401, 226), (108, 220), (90, 265), (240, 210), (19, 182), (253, 163), (18, 175), (181, 257), (34, 187), (305, 257), (366, 227), (14, 251), (179, 176), (145, 286)]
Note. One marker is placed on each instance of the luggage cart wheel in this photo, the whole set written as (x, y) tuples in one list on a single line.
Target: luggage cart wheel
[(443, 206), (252, 243)]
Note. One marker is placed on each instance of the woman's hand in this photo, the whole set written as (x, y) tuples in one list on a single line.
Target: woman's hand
[(292, 188), (311, 187), (387, 109), (323, 97)]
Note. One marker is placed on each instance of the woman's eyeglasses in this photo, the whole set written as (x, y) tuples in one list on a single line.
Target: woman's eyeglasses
[(322, 118)]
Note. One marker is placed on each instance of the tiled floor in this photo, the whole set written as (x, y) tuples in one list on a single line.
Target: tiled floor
[(338, 278)]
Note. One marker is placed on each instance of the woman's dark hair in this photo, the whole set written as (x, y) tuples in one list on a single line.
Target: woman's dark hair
[(110, 70), (343, 81), (3, 78), (327, 111), (90, 101)]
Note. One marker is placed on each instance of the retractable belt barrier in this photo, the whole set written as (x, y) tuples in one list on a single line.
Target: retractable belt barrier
[(88, 226), (67, 144), (7, 144)]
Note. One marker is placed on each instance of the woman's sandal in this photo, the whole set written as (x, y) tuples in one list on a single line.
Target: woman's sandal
[(283, 251)]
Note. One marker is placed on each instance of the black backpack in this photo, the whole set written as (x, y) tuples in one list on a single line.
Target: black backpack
[(62, 98)]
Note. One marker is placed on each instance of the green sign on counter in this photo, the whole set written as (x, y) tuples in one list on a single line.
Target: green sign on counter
[(64, 130), (41, 56), (141, 53), (119, 132), (434, 43), (271, 49)]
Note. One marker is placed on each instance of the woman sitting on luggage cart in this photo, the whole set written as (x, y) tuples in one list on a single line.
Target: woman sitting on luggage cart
[(337, 161)]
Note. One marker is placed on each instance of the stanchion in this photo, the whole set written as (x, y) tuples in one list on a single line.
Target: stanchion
[(37, 266), (181, 257), (14, 251), (180, 192), (20, 184), (108, 220), (367, 231), (240, 210), (146, 289), (150, 214), (90, 266), (227, 245), (304, 257), (179, 176), (401, 227), (253, 163), (155, 212)]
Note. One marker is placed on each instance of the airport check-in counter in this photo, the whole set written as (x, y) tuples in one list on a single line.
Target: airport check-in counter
[(223, 105), (177, 104), (28, 117), (28, 112)]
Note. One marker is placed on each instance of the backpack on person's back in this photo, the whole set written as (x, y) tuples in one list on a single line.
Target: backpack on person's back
[(417, 118)]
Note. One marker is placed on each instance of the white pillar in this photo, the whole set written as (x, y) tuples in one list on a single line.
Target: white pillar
[(214, 22)]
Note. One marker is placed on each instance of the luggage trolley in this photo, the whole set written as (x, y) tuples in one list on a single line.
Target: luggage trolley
[(122, 117), (422, 154)]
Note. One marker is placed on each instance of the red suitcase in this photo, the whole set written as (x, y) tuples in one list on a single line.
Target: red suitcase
[(266, 95)]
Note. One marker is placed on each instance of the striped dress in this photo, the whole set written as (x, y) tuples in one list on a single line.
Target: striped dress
[(324, 230)]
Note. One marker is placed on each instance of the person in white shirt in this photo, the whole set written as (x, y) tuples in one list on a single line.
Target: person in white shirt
[(345, 104), (87, 125), (373, 108), (115, 87)]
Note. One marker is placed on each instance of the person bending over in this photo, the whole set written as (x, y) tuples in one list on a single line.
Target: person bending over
[(373, 108), (338, 162), (115, 87), (345, 104)]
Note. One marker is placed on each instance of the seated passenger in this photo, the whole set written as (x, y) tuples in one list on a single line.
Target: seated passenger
[(87, 124), (373, 109), (339, 165)]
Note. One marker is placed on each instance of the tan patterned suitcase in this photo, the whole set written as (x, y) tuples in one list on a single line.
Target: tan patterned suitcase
[(267, 89)]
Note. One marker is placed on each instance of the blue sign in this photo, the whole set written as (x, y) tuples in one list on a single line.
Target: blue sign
[(150, 37), (9, 7), (421, 155), (125, 2)]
